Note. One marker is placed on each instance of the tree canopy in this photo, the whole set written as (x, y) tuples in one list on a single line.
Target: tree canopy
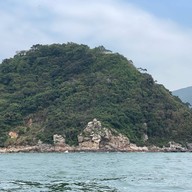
[(61, 87)]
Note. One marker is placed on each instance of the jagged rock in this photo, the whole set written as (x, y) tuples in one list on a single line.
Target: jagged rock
[(13, 135), (145, 137), (134, 147), (154, 148), (173, 146), (30, 122), (95, 137), (39, 142), (58, 140)]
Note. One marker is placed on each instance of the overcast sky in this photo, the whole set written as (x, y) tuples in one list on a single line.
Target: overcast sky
[(154, 34)]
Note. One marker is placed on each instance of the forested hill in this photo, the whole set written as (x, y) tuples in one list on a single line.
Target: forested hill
[(59, 88)]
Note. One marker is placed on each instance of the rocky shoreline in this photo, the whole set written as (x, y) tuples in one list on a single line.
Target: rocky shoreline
[(46, 148), (94, 138)]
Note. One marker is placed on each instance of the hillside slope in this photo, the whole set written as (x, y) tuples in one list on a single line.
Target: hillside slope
[(57, 89), (185, 94)]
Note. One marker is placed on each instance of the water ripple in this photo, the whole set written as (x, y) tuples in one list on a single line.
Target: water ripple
[(96, 172)]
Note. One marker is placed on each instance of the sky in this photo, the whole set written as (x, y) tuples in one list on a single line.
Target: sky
[(154, 34)]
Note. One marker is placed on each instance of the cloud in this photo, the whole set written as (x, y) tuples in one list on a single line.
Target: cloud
[(160, 45)]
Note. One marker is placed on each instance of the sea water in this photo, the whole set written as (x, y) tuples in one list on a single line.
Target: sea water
[(96, 172)]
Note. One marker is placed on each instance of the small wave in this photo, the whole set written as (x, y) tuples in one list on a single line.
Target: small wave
[(55, 186), (30, 183), (94, 187), (113, 178)]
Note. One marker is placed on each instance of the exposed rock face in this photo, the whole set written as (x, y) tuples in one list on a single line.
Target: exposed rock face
[(13, 135), (30, 122), (173, 146), (134, 147), (95, 137), (145, 137), (58, 140)]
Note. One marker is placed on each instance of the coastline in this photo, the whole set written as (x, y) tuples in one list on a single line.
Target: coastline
[(46, 148), (94, 138)]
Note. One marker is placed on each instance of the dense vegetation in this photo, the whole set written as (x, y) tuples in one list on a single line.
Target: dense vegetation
[(59, 88)]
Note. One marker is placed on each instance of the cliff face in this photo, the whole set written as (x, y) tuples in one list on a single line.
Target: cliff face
[(96, 137)]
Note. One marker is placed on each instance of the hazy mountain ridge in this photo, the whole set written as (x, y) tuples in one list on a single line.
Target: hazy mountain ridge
[(185, 94)]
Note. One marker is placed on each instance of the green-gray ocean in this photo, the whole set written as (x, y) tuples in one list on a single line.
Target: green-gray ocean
[(97, 172)]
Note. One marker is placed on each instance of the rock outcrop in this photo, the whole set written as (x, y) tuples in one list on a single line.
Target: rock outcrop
[(13, 135), (95, 137), (175, 147), (58, 140)]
